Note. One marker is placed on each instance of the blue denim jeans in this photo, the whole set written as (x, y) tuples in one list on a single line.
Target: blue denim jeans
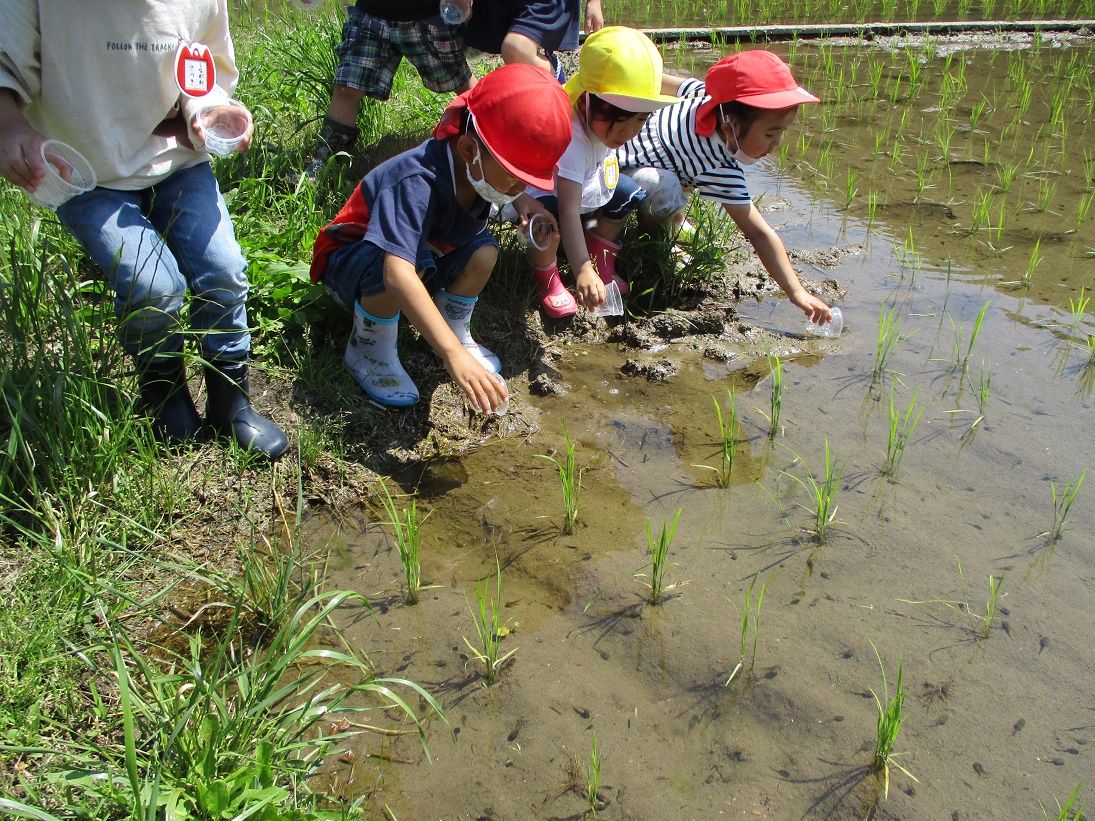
[(156, 243)]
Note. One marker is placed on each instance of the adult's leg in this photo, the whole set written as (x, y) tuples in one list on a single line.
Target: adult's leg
[(191, 214), (148, 296)]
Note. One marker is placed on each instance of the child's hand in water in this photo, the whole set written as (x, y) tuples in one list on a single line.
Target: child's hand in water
[(591, 291), (816, 311)]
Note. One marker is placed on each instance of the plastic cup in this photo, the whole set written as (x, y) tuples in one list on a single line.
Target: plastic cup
[(224, 125), (68, 173), (830, 329), (502, 409), (454, 12), (613, 304)]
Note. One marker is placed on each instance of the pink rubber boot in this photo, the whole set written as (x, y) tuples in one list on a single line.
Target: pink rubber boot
[(555, 300), (603, 252)]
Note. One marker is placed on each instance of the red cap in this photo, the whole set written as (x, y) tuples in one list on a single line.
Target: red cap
[(758, 78), (522, 115)]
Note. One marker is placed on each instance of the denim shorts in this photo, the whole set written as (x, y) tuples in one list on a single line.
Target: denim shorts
[(372, 48), (357, 270)]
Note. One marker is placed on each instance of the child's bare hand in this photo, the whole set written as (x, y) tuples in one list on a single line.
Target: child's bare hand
[(816, 311), (591, 291), (484, 390)]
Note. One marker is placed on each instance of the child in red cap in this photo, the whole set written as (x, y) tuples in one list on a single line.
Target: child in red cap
[(734, 118), (412, 237)]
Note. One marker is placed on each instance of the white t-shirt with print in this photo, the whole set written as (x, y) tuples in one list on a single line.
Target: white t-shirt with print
[(590, 163)]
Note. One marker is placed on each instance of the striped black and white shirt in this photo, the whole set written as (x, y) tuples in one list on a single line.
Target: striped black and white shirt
[(669, 141)]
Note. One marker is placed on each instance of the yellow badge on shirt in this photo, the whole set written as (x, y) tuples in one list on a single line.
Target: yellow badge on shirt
[(611, 171)]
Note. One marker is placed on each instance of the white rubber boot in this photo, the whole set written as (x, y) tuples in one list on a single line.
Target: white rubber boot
[(372, 356)]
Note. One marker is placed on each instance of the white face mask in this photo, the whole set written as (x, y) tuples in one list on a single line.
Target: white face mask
[(740, 157), (483, 188)]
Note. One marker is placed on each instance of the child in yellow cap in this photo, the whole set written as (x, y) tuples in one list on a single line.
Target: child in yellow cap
[(618, 85)]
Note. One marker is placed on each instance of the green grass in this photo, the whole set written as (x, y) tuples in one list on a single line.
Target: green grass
[(1070, 810)]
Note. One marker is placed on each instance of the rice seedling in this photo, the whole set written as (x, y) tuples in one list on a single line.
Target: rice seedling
[(775, 366), (851, 188), (982, 389), (1083, 207), (489, 627), (887, 340), (592, 774), (891, 717), (728, 438), (408, 540), (1090, 345), (750, 618), (992, 607), (570, 482), (961, 348), (1033, 262), (1070, 810), (658, 551), (822, 490), (872, 209), (1077, 308), (1063, 499), (1047, 193), (901, 428)]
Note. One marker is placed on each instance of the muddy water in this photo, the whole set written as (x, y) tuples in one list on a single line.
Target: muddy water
[(996, 726)]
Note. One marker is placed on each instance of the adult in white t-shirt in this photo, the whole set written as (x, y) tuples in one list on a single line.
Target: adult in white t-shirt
[(123, 83)]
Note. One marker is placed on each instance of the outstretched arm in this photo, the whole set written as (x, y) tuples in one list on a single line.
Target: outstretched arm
[(773, 256)]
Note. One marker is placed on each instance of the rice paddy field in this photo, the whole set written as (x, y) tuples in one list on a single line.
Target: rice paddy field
[(946, 184), (815, 577)]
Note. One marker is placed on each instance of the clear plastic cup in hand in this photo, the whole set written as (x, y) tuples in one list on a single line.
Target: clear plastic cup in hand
[(455, 12), (224, 126), (613, 304), (68, 173), (830, 329), (502, 409)]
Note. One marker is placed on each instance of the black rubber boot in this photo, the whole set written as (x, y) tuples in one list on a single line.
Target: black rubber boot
[(165, 397), (333, 138), (229, 412)]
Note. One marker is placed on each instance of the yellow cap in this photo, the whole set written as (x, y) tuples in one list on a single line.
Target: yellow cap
[(622, 66)]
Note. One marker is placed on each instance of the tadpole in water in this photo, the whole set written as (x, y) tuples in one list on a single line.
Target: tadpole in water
[(1017, 726)]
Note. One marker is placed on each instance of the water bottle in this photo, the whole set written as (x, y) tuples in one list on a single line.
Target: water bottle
[(455, 12)]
